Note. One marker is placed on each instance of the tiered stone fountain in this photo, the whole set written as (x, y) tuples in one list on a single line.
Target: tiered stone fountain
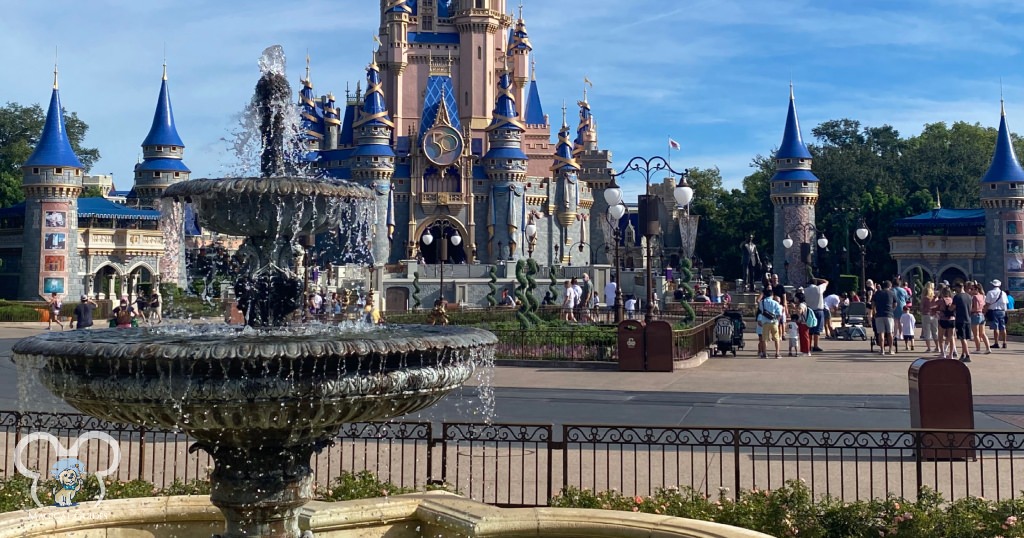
[(261, 400)]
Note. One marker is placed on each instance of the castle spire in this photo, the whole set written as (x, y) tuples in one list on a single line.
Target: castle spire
[(1005, 166), (534, 114), (792, 142), (163, 131), (586, 132), (374, 110), (54, 147)]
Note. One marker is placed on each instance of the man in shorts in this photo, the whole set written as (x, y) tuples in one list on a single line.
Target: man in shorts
[(962, 323), (884, 304), (768, 321), (997, 302)]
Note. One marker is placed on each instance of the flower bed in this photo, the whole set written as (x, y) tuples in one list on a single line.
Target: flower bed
[(792, 511)]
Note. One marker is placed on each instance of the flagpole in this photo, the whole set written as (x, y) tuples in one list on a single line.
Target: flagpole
[(670, 151)]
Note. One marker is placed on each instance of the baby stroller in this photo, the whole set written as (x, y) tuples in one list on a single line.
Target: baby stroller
[(729, 333), (856, 317)]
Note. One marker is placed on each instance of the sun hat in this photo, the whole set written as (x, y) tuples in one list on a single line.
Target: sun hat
[(85, 298), (995, 282)]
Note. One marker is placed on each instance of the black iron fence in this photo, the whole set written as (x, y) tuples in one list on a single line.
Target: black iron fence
[(525, 464)]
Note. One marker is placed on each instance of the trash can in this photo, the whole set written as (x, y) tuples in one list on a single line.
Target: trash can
[(739, 285), (631, 345), (941, 398), (659, 346)]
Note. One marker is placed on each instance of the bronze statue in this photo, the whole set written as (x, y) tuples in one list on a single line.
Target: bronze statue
[(751, 263)]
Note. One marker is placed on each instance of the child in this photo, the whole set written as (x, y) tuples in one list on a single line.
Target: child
[(907, 325), (793, 335)]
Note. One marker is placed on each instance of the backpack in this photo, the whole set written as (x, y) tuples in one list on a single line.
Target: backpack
[(770, 316), (810, 319), (124, 316)]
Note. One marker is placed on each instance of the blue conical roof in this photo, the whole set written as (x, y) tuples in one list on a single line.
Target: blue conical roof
[(1005, 166), (518, 39), (563, 151), (792, 142), (505, 115), (534, 109), (54, 148), (375, 110), (163, 132)]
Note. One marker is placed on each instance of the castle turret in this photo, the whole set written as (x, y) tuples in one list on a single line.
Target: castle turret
[(518, 51), (595, 172), (586, 132), (565, 176), (373, 161), (52, 183), (313, 125), (794, 192), (505, 163), (481, 27), (1002, 197), (162, 151)]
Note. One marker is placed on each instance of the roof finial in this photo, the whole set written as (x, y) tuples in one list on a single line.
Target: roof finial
[(347, 93), (165, 61), (565, 122), (55, 68), (520, 9), (791, 89), (586, 82), (307, 65), (533, 67), (1002, 106)]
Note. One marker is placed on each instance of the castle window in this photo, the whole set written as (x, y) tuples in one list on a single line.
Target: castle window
[(993, 186), (58, 171), (786, 184), (428, 24), (805, 184), (159, 148), (177, 174), (35, 171), (1013, 185), (174, 149), (78, 172), (376, 159), (465, 98), (156, 174), (479, 53), (789, 161), (802, 161)]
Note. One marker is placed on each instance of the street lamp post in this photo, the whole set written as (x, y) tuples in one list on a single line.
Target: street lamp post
[(456, 240), (531, 236), (808, 231), (862, 235), (615, 214), (682, 193)]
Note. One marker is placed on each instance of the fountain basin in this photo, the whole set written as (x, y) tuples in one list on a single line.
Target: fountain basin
[(269, 207), (434, 514), (281, 386)]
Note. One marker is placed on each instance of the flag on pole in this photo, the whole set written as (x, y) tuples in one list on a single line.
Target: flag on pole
[(587, 82), (672, 144)]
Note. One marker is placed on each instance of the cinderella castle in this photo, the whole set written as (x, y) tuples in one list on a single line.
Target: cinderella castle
[(451, 135)]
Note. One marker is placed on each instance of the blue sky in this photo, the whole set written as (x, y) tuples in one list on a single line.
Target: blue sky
[(712, 74)]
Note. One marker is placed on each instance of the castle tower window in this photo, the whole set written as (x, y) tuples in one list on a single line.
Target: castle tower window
[(177, 174), (156, 174), (786, 184), (159, 148), (805, 184), (1013, 185), (479, 53), (58, 171), (35, 171)]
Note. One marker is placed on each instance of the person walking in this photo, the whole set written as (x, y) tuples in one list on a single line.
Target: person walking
[(883, 302), (997, 302), (586, 299), (962, 324), (771, 314), (799, 314), (82, 317), (907, 322), (947, 316), (54, 305), (154, 308), (124, 315), (568, 303), (814, 295), (630, 307), (978, 317), (141, 306), (929, 322), (609, 293)]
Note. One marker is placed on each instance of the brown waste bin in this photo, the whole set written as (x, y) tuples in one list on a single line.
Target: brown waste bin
[(659, 346), (941, 398), (631, 345)]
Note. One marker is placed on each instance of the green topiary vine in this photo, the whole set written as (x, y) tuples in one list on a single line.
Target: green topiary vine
[(918, 283), (416, 289), (685, 277), (520, 292), (531, 269), (553, 285), (492, 297)]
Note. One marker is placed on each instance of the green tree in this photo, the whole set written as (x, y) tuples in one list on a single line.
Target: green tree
[(92, 191), (20, 128)]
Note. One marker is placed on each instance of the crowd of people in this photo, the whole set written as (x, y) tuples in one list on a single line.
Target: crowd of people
[(953, 317)]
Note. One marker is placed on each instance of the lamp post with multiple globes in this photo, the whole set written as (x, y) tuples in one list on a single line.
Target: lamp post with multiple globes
[(442, 247), (808, 230), (615, 214), (649, 207)]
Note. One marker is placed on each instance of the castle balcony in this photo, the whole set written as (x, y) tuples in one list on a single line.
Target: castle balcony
[(121, 242), (430, 200), (937, 247)]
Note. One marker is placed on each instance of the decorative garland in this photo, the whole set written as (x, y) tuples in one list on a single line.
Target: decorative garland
[(553, 286), (524, 305)]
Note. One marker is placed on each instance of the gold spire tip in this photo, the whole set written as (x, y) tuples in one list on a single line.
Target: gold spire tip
[(533, 67), (164, 76), (307, 65), (790, 89), (55, 67)]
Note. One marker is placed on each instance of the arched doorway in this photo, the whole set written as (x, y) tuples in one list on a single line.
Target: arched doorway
[(106, 284), (953, 274), (140, 281), (441, 247)]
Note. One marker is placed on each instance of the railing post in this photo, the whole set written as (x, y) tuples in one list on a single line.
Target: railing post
[(430, 452), (142, 452), (736, 462), (565, 459), (444, 453), (918, 467), (550, 443)]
